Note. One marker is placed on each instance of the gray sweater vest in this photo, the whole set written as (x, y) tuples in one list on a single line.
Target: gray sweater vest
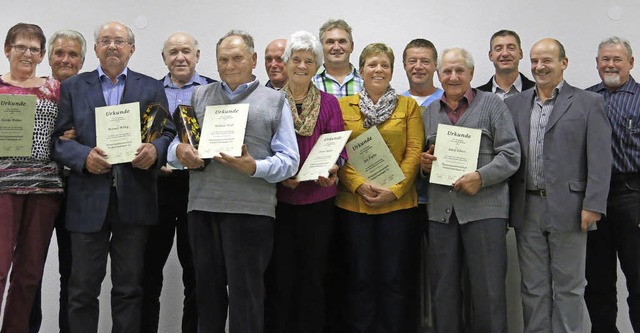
[(220, 189)]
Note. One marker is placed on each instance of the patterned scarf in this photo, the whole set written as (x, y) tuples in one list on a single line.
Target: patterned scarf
[(305, 121), (376, 114)]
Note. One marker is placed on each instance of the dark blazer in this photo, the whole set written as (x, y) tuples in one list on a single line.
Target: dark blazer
[(88, 194), (577, 156), (526, 84)]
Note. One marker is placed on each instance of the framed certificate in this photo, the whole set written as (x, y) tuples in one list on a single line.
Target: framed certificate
[(118, 131), (223, 130), (456, 150), (323, 155), (17, 119), (372, 159)]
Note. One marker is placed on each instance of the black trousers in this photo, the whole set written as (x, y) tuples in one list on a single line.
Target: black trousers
[(230, 250), (125, 244), (297, 270), (173, 195), (618, 235)]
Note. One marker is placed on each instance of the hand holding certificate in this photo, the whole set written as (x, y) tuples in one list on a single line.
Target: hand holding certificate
[(372, 159), (118, 131), (323, 156), (17, 119), (456, 150)]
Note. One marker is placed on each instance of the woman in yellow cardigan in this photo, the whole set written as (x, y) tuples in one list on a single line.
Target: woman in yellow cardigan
[(379, 227)]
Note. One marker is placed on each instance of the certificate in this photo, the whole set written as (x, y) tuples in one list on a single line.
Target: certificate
[(17, 119), (118, 131), (223, 130), (372, 159), (456, 150), (323, 155)]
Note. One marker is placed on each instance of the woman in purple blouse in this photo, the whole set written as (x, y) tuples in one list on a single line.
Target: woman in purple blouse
[(305, 211)]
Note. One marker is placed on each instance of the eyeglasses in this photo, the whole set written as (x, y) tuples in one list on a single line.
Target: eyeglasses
[(119, 42), (23, 48)]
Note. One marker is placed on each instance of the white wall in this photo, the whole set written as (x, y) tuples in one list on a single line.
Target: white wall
[(579, 25)]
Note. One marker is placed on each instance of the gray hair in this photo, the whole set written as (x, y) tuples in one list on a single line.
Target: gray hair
[(303, 41), (248, 40), (67, 34), (335, 24), (615, 40), (195, 41), (130, 36), (463, 52)]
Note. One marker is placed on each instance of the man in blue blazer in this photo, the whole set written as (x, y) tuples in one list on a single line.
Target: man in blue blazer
[(109, 207), (560, 190)]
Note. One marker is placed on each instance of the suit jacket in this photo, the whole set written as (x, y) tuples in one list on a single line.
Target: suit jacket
[(526, 84), (576, 152), (88, 194)]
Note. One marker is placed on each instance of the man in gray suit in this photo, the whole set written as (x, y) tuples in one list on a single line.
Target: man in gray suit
[(560, 190)]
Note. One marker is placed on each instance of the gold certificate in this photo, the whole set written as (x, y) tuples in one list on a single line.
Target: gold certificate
[(372, 159), (323, 155), (223, 130), (456, 150), (17, 119), (118, 131)]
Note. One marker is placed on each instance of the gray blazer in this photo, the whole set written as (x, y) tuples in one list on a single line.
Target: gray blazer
[(577, 156)]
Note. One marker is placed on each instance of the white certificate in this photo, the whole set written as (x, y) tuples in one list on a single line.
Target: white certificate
[(223, 130), (17, 119), (372, 159), (118, 131), (323, 155), (456, 150)]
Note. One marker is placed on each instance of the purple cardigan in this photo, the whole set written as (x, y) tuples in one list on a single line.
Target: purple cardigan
[(329, 120)]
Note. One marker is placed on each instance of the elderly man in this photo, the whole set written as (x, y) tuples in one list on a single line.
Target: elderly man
[(180, 54), (337, 76), (505, 52), (467, 219), (619, 233), (560, 190), (232, 201), (274, 64), (109, 206), (66, 49)]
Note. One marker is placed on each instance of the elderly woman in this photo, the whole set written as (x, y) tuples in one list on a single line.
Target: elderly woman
[(379, 225), (305, 210), (30, 187)]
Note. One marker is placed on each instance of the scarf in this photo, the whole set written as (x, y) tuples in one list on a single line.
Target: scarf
[(376, 114), (305, 121)]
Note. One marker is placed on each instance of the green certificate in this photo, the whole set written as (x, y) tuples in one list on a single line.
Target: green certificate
[(118, 131), (17, 119), (372, 159)]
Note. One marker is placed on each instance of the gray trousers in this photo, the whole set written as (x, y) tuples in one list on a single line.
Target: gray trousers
[(552, 264), (481, 245)]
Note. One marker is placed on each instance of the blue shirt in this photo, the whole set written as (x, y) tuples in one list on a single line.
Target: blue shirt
[(112, 92), (622, 106), (284, 161), (181, 95)]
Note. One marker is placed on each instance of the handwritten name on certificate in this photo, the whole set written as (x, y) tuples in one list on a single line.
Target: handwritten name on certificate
[(372, 159), (223, 130), (457, 151), (17, 119), (323, 155), (118, 131)]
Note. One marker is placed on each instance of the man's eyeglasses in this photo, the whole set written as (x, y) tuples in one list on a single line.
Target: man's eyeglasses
[(117, 42), (23, 48)]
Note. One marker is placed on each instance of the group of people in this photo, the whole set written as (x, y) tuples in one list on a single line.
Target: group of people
[(264, 252)]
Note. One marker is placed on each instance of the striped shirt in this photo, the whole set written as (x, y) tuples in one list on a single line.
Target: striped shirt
[(351, 85), (540, 113), (181, 95), (622, 106)]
